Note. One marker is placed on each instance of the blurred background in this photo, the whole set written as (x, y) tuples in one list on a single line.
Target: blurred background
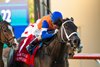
[(86, 14)]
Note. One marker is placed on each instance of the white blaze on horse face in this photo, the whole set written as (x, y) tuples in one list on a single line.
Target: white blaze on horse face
[(10, 28), (15, 40)]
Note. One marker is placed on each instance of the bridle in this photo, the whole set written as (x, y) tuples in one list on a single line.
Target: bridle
[(2, 31), (67, 42), (63, 30)]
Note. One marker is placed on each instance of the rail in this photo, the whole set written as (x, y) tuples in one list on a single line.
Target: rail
[(87, 56)]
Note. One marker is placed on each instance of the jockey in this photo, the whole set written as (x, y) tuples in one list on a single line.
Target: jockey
[(41, 28)]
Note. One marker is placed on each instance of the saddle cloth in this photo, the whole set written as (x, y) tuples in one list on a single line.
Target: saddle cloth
[(22, 54)]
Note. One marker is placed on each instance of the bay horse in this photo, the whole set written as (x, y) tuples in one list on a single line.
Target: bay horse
[(61, 48), (6, 36), (55, 51)]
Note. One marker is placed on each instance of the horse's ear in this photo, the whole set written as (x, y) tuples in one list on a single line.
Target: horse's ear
[(67, 19), (5, 21), (72, 19)]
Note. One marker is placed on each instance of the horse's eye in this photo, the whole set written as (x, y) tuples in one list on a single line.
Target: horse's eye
[(5, 30)]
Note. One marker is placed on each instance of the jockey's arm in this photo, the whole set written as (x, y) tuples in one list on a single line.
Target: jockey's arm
[(44, 32)]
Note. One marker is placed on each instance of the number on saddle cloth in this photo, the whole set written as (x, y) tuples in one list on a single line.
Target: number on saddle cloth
[(30, 47)]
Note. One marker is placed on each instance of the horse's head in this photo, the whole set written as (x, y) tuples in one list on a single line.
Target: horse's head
[(69, 34), (7, 35)]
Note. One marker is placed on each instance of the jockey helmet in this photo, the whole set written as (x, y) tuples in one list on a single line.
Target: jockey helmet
[(55, 16), (1, 18)]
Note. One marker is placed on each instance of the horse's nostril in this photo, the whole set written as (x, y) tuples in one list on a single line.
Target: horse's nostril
[(75, 41), (70, 53)]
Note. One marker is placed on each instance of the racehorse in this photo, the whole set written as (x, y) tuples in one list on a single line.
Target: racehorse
[(55, 51), (6, 36)]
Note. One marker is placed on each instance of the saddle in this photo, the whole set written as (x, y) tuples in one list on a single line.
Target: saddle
[(40, 44)]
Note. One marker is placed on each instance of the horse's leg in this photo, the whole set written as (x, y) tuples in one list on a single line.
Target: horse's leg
[(1, 60)]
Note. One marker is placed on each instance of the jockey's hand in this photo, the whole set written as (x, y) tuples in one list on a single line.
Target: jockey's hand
[(56, 30)]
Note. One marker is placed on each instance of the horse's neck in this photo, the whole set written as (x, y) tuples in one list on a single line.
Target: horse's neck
[(57, 49)]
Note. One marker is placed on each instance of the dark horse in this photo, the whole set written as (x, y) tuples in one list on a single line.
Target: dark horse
[(55, 52), (6, 36)]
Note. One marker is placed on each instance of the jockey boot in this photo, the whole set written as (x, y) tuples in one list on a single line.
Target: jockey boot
[(30, 48)]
